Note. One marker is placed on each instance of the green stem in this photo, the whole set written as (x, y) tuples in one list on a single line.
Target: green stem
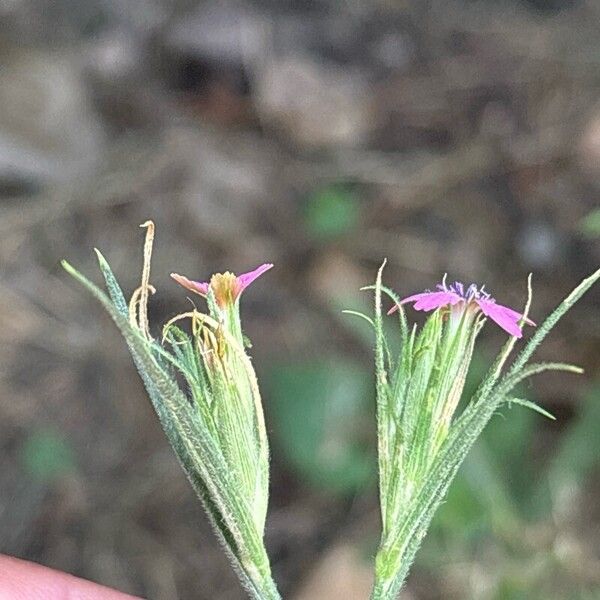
[(389, 588), (259, 572), (379, 590), (268, 590), (391, 570)]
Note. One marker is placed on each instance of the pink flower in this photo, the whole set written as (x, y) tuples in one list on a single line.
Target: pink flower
[(472, 297), (226, 286)]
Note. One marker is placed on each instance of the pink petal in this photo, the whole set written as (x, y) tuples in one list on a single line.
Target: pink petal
[(505, 317), (430, 300), (516, 315), (247, 278), (198, 287)]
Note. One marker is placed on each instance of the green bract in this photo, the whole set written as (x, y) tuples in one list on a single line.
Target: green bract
[(216, 425), (421, 444)]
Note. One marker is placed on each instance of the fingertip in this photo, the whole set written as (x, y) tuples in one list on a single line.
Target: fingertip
[(24, 580)]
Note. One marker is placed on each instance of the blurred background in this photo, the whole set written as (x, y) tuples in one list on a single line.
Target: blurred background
[(320, 136)]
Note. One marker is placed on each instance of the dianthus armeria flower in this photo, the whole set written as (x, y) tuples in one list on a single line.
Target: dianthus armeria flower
[(226, 287), (222, 292), (420, 385), (471, 299), (202, 384)]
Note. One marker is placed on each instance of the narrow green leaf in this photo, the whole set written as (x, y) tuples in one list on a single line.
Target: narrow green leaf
[(552, 320), (359, 314), (113, 287), (509, 382), (396, 301), (382, 401), (532, 405)]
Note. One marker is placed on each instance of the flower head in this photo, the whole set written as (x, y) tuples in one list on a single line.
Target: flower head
[(225, 286), (468, 298)]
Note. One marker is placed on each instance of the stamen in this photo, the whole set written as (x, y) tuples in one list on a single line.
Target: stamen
[(198, 321)]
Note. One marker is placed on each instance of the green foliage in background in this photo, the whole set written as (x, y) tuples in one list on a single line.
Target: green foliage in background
[(47, 454), (590, 224), (331, 212), (500, 513), (321, 415)]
